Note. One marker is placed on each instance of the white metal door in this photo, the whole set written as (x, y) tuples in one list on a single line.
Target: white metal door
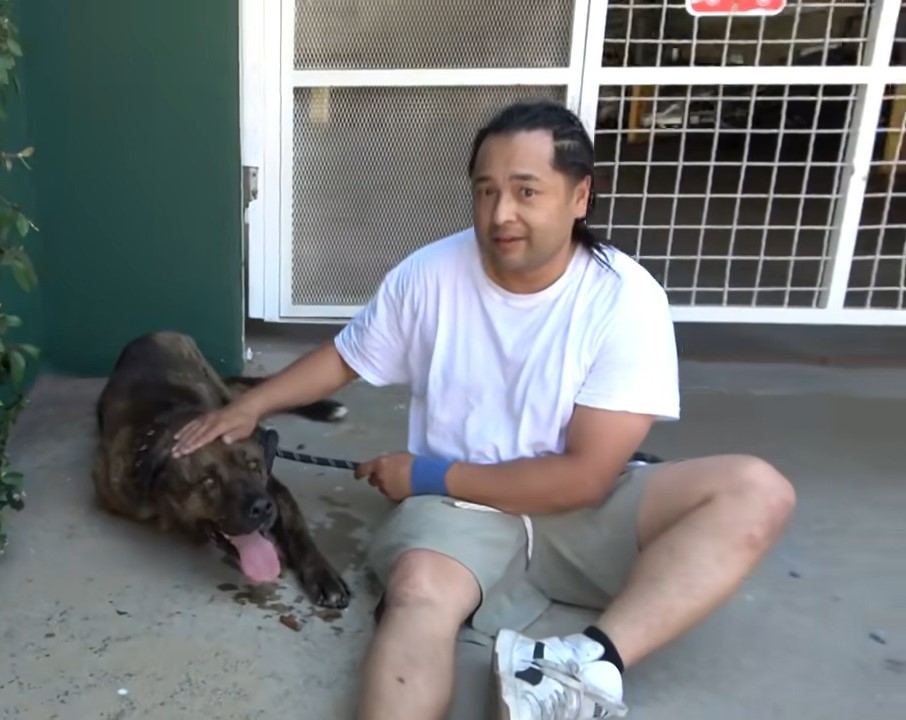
[(368, 109), (755, 164), (795, 211)]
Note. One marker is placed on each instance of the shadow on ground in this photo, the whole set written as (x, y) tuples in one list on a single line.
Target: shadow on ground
[(103, 619)]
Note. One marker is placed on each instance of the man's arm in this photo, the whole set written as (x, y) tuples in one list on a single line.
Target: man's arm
[(312, 377), (371, 346), (599, 443)]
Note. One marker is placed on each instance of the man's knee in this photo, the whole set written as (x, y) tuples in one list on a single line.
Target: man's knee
[(758, 487), (753, 494), (424, 578)]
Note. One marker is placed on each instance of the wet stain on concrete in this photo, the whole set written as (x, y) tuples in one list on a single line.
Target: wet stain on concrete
[(327, 615), (332, 501), (267, 597), (292, 622), (895, 666)]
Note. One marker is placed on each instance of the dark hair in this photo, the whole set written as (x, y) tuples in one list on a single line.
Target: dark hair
[(574, 152)]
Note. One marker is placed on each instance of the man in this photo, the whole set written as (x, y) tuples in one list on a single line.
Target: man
[(538, 359)]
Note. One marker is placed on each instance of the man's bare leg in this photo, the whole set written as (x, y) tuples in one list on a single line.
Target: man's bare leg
[(704, 525), (409, 667)]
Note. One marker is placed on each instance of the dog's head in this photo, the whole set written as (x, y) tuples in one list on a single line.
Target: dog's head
[(221, 490)]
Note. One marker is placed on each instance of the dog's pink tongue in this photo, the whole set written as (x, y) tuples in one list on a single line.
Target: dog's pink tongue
[(257, 557)]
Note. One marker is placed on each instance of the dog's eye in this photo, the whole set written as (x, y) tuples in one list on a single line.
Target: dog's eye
[(208, 483)]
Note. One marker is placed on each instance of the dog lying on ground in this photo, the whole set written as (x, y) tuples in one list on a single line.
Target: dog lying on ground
[(221, 492)]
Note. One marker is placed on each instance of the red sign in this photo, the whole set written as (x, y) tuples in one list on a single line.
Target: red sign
[(734, 7)]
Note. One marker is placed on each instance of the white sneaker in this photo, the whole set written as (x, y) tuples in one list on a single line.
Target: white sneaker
[(555, 679)]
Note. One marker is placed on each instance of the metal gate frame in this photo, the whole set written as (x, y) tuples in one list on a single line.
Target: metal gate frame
[(269, 78), (870, 78)]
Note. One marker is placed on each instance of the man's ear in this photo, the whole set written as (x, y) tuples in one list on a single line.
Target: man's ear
[(269, 440), (582, 198)]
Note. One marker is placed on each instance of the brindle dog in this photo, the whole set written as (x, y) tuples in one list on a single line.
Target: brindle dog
[(221, 492)]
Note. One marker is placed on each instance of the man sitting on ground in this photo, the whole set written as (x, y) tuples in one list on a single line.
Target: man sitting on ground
[(538, 359)]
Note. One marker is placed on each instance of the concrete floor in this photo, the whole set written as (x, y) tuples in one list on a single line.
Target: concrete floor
[(102, 619)]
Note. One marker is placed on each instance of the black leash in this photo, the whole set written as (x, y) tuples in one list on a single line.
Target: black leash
[(316, 460), (639, 458)]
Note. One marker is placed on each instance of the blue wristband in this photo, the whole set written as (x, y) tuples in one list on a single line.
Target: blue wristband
[(429, 475)]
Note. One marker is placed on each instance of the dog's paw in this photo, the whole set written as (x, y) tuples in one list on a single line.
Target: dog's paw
[(333, 410), (325, 411), (325, 586)]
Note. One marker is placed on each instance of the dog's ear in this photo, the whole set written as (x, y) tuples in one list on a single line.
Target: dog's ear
[(268, 439)]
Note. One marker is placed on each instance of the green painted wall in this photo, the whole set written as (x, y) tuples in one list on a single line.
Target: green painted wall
[(134, 108)]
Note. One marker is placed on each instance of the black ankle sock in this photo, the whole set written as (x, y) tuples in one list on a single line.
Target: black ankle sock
[(610, 651)]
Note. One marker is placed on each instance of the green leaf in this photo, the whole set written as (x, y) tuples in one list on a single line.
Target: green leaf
[(13, 321), (14, 480), (23, 225), (16, 368), (14, 47), (31, 350), (20, 273)]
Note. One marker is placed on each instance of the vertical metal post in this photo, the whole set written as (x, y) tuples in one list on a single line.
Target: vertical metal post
[(848, 212), (591, 67)]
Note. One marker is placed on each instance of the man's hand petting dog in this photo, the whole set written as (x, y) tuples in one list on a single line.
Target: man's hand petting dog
[(234, 422), (391, 474)]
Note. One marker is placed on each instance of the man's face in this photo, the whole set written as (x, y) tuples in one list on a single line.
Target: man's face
[(524, 210)]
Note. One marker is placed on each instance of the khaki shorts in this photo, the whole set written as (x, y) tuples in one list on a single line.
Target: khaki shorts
[(523, 563)]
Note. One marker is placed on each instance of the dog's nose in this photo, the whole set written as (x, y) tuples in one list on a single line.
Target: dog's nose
[(260, 508)]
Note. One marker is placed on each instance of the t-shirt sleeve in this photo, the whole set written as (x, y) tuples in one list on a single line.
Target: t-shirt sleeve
[(374, 342), (635, 366)]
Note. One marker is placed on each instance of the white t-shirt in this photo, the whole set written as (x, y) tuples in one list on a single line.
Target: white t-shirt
[(494, 375)]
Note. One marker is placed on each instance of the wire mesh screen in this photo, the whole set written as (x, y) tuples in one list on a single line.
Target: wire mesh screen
[(662, 32), (354, 34), (377, 173), (726, 194), (878, 275)]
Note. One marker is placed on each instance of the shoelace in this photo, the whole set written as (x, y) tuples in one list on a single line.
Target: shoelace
[(566, 702), (554, 707)]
